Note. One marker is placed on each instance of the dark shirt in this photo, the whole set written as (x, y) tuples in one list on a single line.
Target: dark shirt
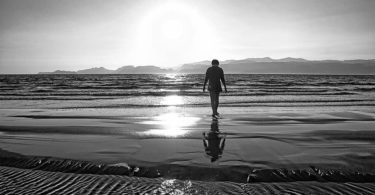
[(214, 74), (214, 145)]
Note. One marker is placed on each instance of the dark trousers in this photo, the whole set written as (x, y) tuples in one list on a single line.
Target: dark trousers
[(214, 101)]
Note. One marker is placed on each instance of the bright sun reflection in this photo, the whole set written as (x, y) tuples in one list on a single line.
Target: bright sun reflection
[(171, 75), (166, 132), (172, 100), (172, 124)]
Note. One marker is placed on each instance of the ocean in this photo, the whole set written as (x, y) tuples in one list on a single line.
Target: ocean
[(161, 126), (185, 90)]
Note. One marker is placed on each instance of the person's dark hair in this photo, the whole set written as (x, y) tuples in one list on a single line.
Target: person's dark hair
[(215, 62)]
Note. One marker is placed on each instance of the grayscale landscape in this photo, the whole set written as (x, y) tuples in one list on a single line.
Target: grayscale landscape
[(187, 97)]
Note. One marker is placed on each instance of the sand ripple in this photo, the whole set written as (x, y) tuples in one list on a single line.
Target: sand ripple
[(240, 174), (25, 181)]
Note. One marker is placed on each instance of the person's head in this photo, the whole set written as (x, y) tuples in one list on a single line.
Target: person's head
[(215, 62)]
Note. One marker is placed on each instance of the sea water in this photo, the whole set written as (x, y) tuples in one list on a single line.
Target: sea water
[(151, 90), (163, 121)]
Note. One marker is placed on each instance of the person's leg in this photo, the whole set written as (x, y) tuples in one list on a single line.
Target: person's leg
[(217, 102), (214, 102), (212, 97)]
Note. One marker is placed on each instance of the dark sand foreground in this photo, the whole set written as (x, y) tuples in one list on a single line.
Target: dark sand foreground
[(25, 181), (46, 175)]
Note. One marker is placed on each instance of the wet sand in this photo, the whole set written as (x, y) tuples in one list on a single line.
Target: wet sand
[(25, 181), (47, 175), (330, 150), (258, 139)]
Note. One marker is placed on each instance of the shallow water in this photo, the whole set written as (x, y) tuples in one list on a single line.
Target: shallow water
[(297, 121), (257, 140)]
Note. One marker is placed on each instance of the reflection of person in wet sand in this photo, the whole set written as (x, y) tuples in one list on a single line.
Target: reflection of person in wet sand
[(214, 142), (214, 75)]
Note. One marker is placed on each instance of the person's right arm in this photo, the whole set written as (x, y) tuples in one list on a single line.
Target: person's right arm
[(223, 80), (222, 145)]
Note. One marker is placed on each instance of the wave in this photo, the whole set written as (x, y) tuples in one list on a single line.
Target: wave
[(102, 105), (107, 95), (97, 91), (367, 89)]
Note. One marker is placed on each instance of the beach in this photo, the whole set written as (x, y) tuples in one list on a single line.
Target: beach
[(25, 181), (113, 134)]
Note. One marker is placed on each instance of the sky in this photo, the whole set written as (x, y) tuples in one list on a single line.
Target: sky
[(48, 35)]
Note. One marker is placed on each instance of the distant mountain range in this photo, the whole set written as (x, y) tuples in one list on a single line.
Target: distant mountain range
[(285, 66), (122, 70), (248, 66)]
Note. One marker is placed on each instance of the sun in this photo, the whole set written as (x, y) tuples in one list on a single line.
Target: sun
[(172, 32), (172, 29)]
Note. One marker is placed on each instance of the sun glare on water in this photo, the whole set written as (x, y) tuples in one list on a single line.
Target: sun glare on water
[(171, 76), (172, 124), (172, 100)]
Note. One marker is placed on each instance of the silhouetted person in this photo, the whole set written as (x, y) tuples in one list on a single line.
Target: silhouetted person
[(214, 142), (214, 75)]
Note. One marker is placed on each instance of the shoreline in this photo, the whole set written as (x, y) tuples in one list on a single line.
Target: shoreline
[(237, 174), (21, 174)]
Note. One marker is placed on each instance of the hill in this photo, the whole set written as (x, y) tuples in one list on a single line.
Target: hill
[(121, 70), (286, 66), (248, 66)]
